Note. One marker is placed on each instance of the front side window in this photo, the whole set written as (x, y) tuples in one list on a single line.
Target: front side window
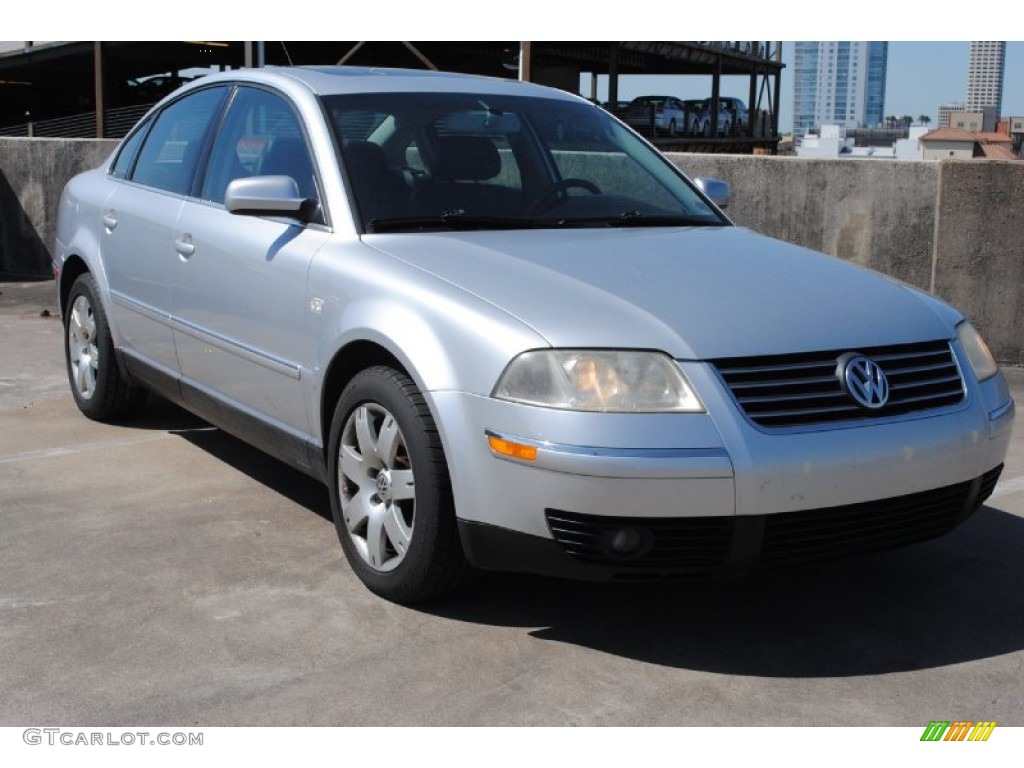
[(449, 160), (171, 150), (260, 136)]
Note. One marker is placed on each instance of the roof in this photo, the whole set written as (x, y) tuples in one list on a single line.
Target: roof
[(990, 137), (326, 81), (998, 152), (949, 134)]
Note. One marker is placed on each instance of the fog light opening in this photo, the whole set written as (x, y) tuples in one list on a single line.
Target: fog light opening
[(629, 543)]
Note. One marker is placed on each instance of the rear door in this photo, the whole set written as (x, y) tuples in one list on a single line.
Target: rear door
[(149, 180)]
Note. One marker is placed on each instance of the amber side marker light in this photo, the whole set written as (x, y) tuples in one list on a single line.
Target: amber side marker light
[(511, 449)]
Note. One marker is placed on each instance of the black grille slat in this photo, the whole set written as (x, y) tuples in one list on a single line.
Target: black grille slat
[(953, 379), (803, 390), (798, 537)]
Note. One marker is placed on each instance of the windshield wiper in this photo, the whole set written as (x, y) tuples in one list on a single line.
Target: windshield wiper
[(457, 219), (638, 219), (633, 219)]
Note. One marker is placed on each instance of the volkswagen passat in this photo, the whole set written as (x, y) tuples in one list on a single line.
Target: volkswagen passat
[(510, 347)]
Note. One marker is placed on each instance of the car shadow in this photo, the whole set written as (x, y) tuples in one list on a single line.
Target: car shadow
[(948, 601), (952, 600), (160, 414), (23, 253)]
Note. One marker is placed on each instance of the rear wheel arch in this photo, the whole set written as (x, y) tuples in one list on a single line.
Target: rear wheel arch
[(74, 267)]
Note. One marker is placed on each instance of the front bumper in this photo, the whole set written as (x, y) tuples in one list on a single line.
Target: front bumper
[(712, 477), (585, 546)]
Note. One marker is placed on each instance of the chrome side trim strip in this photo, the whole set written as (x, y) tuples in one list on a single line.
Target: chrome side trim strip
[(679, 463), (137, 306), (233, 347), (1001, 411)]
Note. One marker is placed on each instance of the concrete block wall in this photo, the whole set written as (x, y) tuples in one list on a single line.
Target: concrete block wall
[(979, 249), (955, 228), (32, 174)]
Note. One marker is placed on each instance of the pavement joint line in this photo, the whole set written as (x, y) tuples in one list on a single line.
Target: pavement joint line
[(50, 453)]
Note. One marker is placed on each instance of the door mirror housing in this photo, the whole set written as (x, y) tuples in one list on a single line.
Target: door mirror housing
[(716, 189), (265, 196)]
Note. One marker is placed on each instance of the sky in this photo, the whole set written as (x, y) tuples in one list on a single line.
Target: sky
[(920, 76)]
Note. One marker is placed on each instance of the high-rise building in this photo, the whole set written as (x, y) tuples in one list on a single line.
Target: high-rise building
[(838, 82), (985, 76)]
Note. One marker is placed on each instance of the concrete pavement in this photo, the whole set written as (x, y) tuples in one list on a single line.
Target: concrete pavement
[(160, 571)]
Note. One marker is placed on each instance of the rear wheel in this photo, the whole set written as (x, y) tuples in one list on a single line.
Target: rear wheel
[(390, 492), (100, 390)]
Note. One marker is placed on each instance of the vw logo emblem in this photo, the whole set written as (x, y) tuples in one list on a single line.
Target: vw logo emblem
[(865, 380)]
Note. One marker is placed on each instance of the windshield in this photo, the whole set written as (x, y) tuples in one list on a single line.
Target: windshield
[(419, 161)]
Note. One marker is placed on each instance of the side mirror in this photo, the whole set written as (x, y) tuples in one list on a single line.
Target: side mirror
[(265, 196), (716, 189)]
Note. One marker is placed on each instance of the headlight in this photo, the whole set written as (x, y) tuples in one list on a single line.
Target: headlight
[(977, 350), (594, 380)]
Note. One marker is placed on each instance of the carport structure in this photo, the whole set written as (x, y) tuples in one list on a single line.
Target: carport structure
[(99, 89)]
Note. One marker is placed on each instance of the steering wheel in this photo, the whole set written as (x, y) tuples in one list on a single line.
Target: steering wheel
[(543, 200)]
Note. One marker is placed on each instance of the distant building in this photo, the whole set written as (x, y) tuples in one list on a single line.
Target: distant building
[(985, 76), (945, 143), (982, 120), (1015, 127), (840, 83), (946, 111), (836, 141), (957, 143)]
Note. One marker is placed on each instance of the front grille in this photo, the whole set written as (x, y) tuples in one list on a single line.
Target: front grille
[(679, 544), (798, 537), (804, 389), (712, 545)]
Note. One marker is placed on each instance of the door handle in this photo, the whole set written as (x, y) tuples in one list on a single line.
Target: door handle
[(109, 219), (184, 246)]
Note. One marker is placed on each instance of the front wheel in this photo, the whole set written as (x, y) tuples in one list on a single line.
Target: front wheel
[(99, 389), (390, 492)]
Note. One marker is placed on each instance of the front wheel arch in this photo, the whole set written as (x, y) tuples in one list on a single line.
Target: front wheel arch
[(344, 366)]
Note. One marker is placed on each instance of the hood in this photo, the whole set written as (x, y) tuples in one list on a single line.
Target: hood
[(695, 293)]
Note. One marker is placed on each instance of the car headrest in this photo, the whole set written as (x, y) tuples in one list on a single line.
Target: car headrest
[(364, 157), (466, 158)]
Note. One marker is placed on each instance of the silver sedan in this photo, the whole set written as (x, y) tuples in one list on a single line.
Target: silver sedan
[(507, 347)]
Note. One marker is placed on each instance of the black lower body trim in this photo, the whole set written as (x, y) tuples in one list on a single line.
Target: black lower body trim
[(601, 548), (294, 451)]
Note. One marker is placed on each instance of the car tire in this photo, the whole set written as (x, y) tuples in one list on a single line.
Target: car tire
[(100, 390), (391, 495), (672, 130), (706, 130)]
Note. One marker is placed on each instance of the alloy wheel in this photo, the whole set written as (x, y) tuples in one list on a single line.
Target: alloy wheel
[(83, 353), (376, 486)]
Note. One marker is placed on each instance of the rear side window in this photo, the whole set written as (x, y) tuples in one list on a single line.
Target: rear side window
[(171, 150)]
